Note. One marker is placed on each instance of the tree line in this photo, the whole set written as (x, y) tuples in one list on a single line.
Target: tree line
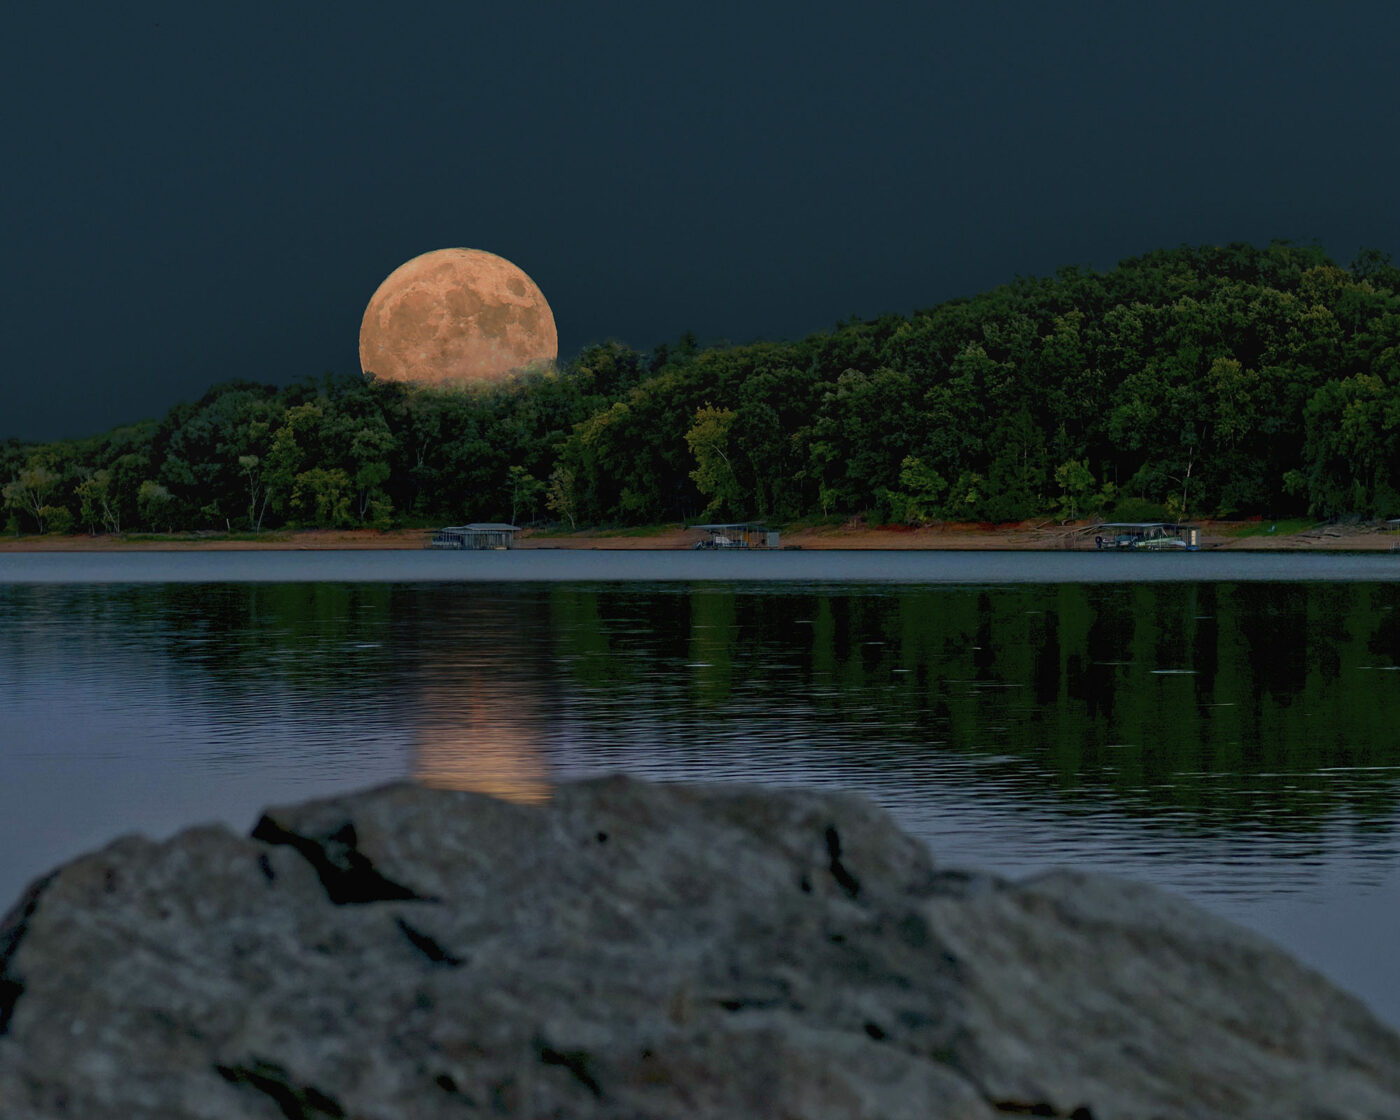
[(1207, 381)]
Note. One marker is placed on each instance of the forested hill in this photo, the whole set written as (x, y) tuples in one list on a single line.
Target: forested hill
[(1194, 381)]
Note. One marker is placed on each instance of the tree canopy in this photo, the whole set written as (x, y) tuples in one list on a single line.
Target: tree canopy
[(1225, 381)]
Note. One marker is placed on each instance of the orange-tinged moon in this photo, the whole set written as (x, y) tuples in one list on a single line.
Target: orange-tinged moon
[(454, 317)]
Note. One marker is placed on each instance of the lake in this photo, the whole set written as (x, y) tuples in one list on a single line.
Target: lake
[(1222, 725)]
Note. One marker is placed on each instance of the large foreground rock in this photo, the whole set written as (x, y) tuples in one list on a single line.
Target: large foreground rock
[(637, 950)]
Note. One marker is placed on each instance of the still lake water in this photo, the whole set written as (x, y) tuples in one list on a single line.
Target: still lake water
[(1223, 725)]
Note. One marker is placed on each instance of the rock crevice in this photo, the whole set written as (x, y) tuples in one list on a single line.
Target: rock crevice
[(296, 1102), (12, 932), (349, 877)]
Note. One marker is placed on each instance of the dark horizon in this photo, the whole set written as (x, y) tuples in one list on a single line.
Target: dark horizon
[(197, 196)]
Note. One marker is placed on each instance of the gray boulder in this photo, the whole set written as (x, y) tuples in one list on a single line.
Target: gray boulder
[(634, 950)]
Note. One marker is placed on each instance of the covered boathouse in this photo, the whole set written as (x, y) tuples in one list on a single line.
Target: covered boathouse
[(478, 535), (737, 534)]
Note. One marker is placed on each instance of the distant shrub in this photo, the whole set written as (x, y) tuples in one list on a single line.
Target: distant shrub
[(1139, 509), (57, 520)]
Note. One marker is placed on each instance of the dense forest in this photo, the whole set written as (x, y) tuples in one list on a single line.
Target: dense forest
[(1192, 382)]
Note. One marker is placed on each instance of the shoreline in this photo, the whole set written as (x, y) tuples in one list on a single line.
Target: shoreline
[(1024, 537)]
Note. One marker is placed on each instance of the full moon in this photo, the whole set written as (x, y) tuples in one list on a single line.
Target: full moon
[(456, 317)]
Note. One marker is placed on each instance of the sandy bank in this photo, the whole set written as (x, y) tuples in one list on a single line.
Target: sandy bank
[(1027, 536)]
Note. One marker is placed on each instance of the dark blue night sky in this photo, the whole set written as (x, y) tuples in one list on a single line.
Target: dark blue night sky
[(194, 193)]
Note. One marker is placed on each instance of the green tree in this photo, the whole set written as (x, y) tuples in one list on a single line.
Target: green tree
[(156, 504), (321, 497), (1353, 447), (918, 499), (258, 495), (98, 506), (1078, 488), (1016, 468), (866, 426), (199, 450), (30, 491), (714, 474), (562, 497), (57, 520), (280, 471), (525, 490)]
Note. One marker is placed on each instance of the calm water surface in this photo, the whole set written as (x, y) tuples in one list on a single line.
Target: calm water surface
[(1220, 725)]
